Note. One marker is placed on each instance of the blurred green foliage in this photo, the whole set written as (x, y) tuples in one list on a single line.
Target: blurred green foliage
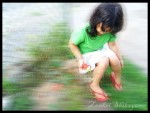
[(21, 102), (10, 87), (134, 95), (48, 54), (46, 57), (53, 45)]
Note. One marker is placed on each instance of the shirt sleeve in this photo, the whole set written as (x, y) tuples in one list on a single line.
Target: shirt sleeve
[(77, 37), (112, 38)]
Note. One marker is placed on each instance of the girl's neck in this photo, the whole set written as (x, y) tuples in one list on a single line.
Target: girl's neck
[(99, 34)]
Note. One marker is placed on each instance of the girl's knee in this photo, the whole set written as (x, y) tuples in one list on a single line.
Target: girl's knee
[(114, 61), (104, 62), (115, 64)]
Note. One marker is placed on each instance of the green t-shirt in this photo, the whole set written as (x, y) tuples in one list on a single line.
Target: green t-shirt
[(86, 44)]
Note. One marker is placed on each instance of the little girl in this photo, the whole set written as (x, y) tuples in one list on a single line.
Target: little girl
[(95, 48)]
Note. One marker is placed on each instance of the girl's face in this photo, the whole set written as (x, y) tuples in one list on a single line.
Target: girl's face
[(101, 30)]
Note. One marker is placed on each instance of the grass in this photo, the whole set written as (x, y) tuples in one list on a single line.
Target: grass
[(10, 88), (49, 53), (134, 94), (73, 94), (53, 50), (21, 102), (133, 97)]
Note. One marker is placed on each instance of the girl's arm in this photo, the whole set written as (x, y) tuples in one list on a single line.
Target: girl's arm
[(75, 50), (113, 46)]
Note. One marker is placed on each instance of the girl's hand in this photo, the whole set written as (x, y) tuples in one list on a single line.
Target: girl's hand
[(83, 66), (80, 62)]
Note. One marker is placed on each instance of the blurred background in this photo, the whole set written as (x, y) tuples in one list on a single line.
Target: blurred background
[(39, 71)]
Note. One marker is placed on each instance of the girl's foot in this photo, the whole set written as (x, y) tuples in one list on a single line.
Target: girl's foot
[(99, 94), (116, 81)]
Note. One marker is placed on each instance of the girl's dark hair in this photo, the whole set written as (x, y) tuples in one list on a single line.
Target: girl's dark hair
[(110, 14)]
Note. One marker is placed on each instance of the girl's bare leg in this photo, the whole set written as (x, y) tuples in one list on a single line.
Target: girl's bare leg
[(97, 75), (116, 68)]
